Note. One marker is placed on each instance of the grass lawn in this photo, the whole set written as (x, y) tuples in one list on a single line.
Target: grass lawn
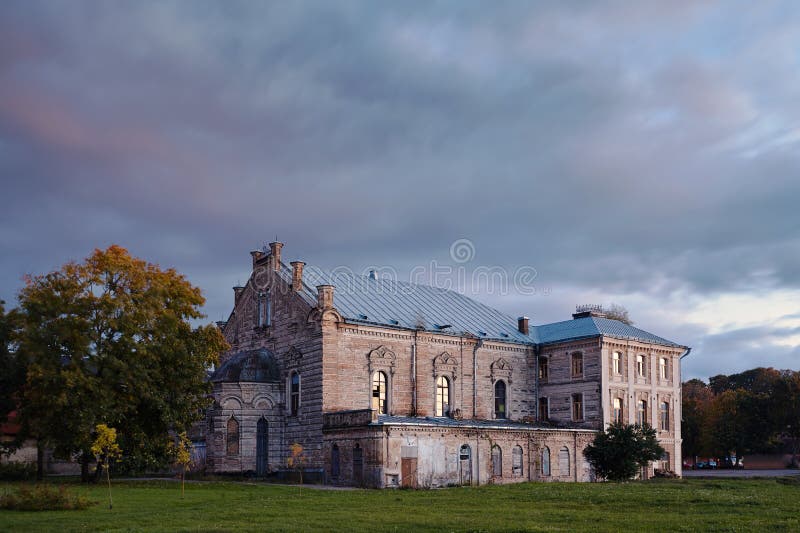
[(660, 505)]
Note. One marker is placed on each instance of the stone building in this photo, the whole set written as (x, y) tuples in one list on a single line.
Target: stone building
[(385, 383)]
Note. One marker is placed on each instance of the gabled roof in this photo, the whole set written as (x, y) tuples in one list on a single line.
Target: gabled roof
[(593, 326), (387, 302)]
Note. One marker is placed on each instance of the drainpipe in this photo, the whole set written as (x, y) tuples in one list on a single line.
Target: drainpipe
[(536, 351), (414, 376), (679, 464), (475, 378)]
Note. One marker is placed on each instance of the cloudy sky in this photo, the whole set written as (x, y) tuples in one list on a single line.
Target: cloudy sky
[(644, 153)]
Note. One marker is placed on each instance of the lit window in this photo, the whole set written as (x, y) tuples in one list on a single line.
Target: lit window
[(544, 409), (232, 430), (379, 392), (665, 416), (577, 365), (546, 461), (662, 368), (516, 462), (577, 407), (500, 399), (544, 370), (640, 370), (442, 396), (295, 393), (616, 363), (497, 461), (641, 413), (617, 410)]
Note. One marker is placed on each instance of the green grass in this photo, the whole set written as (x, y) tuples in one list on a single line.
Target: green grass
[(667, 505)]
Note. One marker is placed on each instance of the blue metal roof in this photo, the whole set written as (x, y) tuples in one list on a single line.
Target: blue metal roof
[(392, 303), (592, 327)]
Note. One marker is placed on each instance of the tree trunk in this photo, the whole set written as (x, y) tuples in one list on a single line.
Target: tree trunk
[(84, 468), (39, 461)]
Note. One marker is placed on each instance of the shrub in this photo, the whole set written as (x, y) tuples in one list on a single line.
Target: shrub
[(17, 471), (44, 498)]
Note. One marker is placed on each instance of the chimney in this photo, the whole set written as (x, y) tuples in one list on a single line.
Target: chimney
[(237, 291), (325, 296), (257, 256), (297, 275), (221, 324), (275, 253), (522, 325)]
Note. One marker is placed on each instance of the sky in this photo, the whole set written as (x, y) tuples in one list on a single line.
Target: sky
[(639, 153)]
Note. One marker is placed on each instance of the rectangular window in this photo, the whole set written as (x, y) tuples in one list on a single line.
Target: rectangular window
[(664, 411), (640, 368), (641, 413), (263, 310), (544, 409), (577, 365), (616, 411), (544, 370), (577, 407), (662, 368), (616, 363)]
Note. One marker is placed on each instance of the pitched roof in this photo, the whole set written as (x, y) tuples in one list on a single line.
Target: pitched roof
[(386, 302)]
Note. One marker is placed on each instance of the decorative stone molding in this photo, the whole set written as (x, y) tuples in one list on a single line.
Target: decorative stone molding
[(381, 358), (445, 364), (293, 357), (501, 369)]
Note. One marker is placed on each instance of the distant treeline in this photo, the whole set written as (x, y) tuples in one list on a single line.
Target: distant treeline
[(756, 411)]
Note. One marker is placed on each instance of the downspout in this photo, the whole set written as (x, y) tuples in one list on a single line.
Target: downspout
[(475, 378), (414, 376), (536, 351), (679, 464)]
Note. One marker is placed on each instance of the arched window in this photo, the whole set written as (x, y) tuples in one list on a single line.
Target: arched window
[(379, 392), (577, 365), (335, 461), (442, 396), (616, 411), (263, 309), (563, 461), (664, 416), (295, 393), (497, 461), (500, 399), (641, 413), (616, 363), (516, 461), (546, 461), (232, 434)]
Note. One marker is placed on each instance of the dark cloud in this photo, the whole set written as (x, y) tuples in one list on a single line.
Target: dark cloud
[(623, 150)]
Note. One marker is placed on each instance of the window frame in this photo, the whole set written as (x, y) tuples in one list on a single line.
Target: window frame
[(230, 442), (544, 401), (641, 366), (576, 365), (383, 403), (616, 363), (517, 456), (497, 461), (546, 467), (501, 414), (294, 393), (442, 404), (544, 369), (617, 410), (663, 368), (577, 399), (641, 413), (663, 413)]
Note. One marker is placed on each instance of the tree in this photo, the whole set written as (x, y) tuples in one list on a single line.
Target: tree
[(106, 449), (12, 373), (110, 340), (297, 461), (788, 411), (619, 452), (619, 312), (181, 452), (697, 398)]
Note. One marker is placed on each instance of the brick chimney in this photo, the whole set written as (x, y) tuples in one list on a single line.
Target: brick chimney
[(257, 256), (325, 296), (275, 254), (237, 291), (297, 275), (522, 325)]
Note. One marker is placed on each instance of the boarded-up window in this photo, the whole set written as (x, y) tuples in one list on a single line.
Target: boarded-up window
[(516, 462), (232, 431), (563, 462), (546, 461), (497, 461)]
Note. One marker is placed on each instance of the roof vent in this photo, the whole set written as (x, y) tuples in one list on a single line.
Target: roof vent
[(394, 322), (362, 317), (444, 326), (588, 310), (373, 274)]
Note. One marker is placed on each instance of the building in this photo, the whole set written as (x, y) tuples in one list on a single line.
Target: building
[(385, 383)]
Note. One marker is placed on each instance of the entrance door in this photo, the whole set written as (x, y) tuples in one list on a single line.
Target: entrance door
[(262, 448), (358, 465), (408, 471)]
